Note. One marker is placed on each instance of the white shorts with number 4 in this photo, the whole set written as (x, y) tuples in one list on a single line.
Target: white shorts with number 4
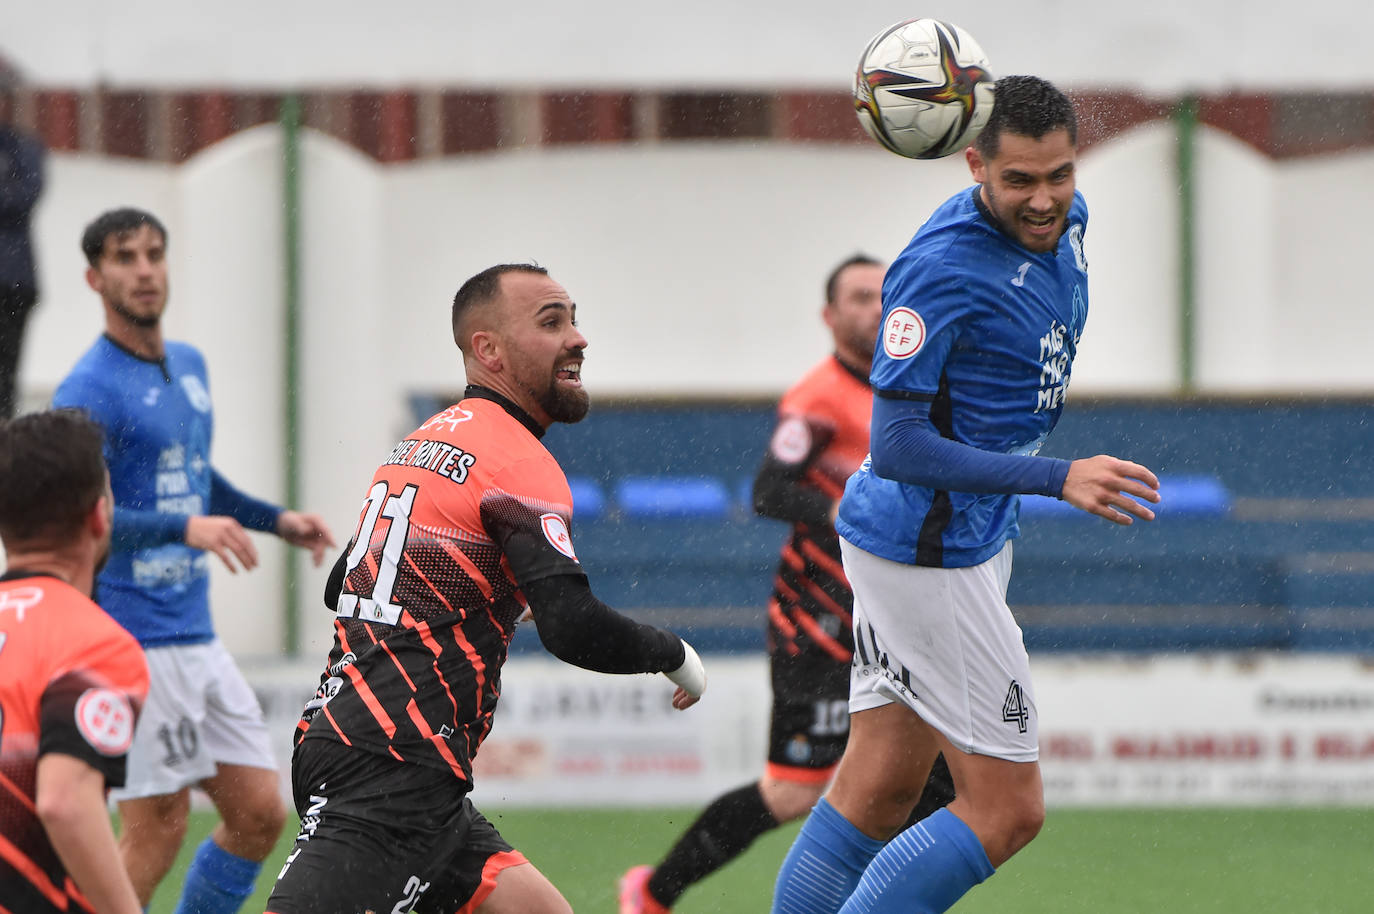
[(200, 712), (943, 642)]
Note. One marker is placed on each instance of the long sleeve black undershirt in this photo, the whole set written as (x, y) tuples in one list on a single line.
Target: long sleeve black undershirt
[(578, 628), (780, 494)]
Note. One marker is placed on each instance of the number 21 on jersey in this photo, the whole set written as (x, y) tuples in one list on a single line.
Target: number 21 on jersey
[(377, 605)]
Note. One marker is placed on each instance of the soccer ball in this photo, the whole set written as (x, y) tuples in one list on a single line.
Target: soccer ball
[(923, 89)]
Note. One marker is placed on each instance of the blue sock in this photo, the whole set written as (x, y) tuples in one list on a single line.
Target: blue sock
[(217, 882), (924, 870), (824, 864)]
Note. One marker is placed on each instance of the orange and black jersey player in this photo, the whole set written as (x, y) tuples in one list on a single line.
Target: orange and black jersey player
[(820, 439), (71, 682), (466, 524)]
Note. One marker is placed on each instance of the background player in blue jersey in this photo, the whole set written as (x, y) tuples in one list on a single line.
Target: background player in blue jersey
[(982, 315), (202, 724)]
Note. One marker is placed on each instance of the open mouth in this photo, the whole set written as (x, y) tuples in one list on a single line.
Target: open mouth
[(570, 374)]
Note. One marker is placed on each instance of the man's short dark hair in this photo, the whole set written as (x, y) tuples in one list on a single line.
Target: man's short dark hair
[(52, 472), (833, 279), (482, 288), (1026, 106), (117, 223)]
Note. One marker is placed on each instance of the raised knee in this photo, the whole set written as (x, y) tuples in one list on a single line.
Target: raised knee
[(1022, 824), (155, 822), (259, 824)]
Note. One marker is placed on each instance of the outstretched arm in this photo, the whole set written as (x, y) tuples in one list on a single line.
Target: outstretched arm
[(307, 531), (574, 625), (908, 448), (578, 628)]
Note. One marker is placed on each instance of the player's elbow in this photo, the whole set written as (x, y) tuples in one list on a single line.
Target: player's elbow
[(66, 791), (563, 638), (883, 461), (60, 811)]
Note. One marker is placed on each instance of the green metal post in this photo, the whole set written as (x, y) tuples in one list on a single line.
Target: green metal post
[(1185, 119), (291, 193)]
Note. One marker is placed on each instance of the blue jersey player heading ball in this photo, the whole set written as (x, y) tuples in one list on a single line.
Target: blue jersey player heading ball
[(982, 315), (202, 725)]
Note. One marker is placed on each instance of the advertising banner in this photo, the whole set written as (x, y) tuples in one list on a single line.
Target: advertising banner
[(1160, 730)]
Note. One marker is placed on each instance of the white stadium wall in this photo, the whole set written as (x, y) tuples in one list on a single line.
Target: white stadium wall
[(1167, 45), (697, 269)]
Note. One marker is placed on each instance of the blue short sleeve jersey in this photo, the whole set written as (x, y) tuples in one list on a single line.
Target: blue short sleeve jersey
[(158, 425), (985, 331)]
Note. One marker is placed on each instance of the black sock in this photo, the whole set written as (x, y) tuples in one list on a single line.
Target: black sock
[(720, 834)]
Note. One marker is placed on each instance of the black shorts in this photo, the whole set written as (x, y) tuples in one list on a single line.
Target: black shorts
[(810, 715), (382, 835)]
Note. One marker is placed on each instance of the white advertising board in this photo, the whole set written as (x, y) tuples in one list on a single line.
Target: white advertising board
[(1165, 730)]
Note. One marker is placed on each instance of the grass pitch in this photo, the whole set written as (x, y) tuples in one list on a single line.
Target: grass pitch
[(1119, 861)]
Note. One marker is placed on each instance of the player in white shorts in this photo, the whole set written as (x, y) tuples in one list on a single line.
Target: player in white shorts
[(200, 713), (982, 315), (173, 509), (943, 642)]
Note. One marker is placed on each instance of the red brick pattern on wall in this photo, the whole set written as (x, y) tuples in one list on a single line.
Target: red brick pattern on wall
[(1105, 115), (59, 119), (124, 119), (471, 122), (715, 115), (587, 117), (819, 116), (395, 125)]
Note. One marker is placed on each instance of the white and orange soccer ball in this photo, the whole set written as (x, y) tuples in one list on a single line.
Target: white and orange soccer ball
[(923, 88)]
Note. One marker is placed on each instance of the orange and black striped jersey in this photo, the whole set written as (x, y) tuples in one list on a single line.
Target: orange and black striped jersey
[(464, 511), (819, 441), (71, 682)]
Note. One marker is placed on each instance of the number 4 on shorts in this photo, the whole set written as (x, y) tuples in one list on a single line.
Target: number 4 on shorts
[(1014, 710)]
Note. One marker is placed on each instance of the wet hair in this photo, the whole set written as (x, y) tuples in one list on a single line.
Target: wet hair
[(483, 288), (52, 472), (1026, 106), (833, 279), (117, 223)]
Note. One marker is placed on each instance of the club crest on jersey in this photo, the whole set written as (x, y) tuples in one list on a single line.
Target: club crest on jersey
[(556, 532), (791, 440), (1076, 242), (904, 333), (105, 719)]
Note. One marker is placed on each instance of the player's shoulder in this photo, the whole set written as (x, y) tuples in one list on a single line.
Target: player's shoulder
[(184, 353), (940, 249), (90, 371), (489, 434), (64, 629), (827, 387), (1078, 209)]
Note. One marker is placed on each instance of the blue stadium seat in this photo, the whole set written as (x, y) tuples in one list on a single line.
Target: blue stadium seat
[(589, 502), (673, 497), (1194, 495)]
